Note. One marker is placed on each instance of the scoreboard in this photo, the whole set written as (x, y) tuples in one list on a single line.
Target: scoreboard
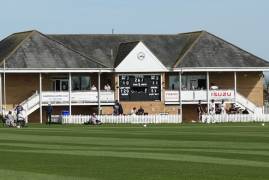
[(140, 87)]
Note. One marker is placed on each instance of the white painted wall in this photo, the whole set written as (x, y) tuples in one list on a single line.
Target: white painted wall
[(150, 63)]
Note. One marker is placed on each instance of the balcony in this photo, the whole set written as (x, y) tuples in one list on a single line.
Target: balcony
[(192, 96), (78, 97)]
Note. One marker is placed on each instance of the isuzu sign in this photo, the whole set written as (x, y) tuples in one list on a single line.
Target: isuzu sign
[(196, 95), (221, 94)]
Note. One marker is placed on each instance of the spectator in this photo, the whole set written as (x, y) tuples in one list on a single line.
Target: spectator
[(117, 108), (245, 111), (213, 86), (107, 87), (200, 110), (212, 109), (222, 107), (133, 111), (93, 88), (140, 111), (10, 120), (49, 113), (18, 109), (94, 120)]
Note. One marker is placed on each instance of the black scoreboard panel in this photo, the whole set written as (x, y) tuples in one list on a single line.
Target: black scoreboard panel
[(140, 87)]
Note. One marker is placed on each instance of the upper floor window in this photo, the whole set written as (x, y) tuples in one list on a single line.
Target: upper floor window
[(81, 82), (188, 82)]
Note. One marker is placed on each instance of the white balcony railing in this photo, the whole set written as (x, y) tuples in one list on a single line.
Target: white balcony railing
[(82, 97), (196, 95)]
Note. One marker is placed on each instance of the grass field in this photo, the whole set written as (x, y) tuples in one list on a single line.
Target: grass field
[(115, 152)]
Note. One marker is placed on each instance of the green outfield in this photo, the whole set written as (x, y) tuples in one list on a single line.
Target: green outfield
[(115, 152)]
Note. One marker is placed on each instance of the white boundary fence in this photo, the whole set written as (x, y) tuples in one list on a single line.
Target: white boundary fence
[(122, 119), (223, 118)]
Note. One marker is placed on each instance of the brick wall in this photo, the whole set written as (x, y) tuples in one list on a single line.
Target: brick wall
[(249, 84), (19, 87)]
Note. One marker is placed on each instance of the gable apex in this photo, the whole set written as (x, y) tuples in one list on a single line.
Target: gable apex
[(140, 59)]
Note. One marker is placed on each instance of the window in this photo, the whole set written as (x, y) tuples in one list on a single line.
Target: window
[(188, 82), (60, 85), (81, 82), (194, 82), (173, 82), (85, 82)]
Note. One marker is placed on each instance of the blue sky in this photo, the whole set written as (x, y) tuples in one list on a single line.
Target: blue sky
[(242, 22)]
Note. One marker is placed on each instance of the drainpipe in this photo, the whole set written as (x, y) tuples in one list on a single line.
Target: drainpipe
[(4, 84), (70, 94), (40, 98), (99, 86), (235, 86), (1, 95), (180, 89), (207, 84)]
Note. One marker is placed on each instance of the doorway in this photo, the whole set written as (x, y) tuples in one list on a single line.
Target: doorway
[(60, 85)]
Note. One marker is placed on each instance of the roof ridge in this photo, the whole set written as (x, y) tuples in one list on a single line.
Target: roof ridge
[(123, 34), (188, 50), (24, 32), (199, 31), (236, 46), (120, 34), (71, 49), (18, 45), (130, 42)]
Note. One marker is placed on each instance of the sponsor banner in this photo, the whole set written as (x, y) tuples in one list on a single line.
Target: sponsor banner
[(51, 97), (221, 94), (79, 97), (171, 96)]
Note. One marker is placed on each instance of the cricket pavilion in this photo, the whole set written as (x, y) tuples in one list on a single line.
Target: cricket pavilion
[(165, 74)]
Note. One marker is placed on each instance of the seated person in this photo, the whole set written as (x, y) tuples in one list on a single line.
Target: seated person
[(140, 111), (10, 120), (93, 88), (94, 120), (117, 108), (213, 86), (107, 87), (133, 111), (245, 111)]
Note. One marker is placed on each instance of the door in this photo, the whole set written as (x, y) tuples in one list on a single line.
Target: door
[(60, 85)]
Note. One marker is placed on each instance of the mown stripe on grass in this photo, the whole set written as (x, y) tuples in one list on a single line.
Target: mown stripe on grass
[(155, 156), (135, 141), (122, 149), (210, 152), (8, 174)]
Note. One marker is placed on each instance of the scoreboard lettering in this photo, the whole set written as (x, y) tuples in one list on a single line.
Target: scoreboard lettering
[(140, 87)]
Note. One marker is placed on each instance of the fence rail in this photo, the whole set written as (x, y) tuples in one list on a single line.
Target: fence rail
[(222, 118), (134, 119)]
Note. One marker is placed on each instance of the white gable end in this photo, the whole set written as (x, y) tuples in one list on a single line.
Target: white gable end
[(141, 59)]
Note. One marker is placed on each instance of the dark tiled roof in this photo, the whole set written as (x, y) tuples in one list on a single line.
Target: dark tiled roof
[(123, 50), (9, 44), (38, 51), (212, 51), (195, 49), (167, 48)]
